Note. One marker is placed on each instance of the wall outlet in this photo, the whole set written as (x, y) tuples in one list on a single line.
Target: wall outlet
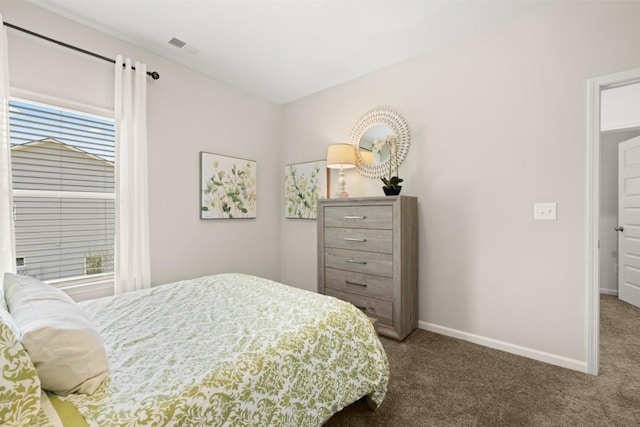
[(545, 211)]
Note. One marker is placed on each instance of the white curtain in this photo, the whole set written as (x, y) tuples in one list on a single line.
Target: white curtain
[(7, 236), (132, 265)]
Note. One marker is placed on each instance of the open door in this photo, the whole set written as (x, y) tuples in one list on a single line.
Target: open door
[(629, 221)]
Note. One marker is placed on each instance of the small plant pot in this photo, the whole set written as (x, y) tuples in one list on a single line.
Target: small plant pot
[(391, 191)]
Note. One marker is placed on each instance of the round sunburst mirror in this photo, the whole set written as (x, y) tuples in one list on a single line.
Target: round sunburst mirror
[(370, 139)]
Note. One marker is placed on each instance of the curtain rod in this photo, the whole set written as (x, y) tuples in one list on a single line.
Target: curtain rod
[(153, 74)]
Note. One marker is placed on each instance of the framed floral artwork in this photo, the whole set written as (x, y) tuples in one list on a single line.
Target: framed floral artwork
[(227, 187), (304, 184)]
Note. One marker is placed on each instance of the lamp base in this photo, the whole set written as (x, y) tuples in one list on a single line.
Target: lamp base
[(341, 184)]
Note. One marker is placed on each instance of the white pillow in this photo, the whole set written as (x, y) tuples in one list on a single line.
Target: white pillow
[(63, 344), (3, 303)]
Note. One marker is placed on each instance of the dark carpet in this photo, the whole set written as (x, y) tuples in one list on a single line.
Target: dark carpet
[(441, 381)]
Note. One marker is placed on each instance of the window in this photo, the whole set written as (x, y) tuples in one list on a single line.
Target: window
[(20, 265), (97, 263), (63, 191)]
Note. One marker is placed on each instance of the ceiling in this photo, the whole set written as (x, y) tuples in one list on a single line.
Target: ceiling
[(285, 50)]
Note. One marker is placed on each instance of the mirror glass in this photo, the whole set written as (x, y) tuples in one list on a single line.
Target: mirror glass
[(373, 141)]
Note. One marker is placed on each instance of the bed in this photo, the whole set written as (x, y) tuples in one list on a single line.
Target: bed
[(229, 349)]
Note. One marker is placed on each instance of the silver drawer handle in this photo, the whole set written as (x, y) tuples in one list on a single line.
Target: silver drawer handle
[(365, 309), (349, 282), (354, 217), (354, 239), (355, 261)]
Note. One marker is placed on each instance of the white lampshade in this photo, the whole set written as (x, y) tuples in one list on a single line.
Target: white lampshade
[(367, 156), (341, 156)]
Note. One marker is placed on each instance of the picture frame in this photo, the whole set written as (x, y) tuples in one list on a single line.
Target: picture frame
[(228, 187), (304, 184)]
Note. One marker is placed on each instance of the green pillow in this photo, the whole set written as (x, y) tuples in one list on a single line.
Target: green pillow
[(19, 382)]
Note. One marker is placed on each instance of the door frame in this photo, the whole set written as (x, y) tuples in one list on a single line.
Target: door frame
[(594, 86)]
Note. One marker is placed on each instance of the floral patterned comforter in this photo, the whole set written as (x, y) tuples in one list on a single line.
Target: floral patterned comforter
[(231, 349)]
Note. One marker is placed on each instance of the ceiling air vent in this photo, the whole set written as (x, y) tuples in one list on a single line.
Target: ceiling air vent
[(180, 45), (177, 43)]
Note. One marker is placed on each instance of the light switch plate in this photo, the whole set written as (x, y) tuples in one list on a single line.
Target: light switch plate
[(545, 211)]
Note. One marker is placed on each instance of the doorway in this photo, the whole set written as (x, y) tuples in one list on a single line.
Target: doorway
[(597, 223), (610, 235)]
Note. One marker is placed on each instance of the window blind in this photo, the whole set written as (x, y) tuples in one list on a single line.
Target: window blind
[(64, 191)]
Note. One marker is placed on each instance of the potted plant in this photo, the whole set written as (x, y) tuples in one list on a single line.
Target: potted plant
[(391, 184)]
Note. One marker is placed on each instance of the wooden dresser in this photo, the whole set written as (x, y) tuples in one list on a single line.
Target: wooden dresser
[(368, 255)]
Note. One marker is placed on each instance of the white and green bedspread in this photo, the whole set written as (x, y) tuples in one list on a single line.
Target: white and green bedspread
[(231, 349)]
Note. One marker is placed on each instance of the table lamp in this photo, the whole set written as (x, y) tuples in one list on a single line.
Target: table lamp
[(341, 156)]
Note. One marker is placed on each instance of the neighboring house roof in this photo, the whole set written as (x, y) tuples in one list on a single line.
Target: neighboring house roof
[(56, 143)]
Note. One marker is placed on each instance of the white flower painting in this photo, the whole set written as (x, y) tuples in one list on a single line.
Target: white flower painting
[(304, 184), (227, 187)]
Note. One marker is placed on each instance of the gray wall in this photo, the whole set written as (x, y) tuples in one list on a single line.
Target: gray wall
[(55, 236), (609, 142), (54, 242), (620, 118)]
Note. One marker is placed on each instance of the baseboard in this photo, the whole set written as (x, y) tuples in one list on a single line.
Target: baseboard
[(565, 362), (609, 291)]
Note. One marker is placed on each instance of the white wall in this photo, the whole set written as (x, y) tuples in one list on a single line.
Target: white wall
[(498, 123), (188, 112)]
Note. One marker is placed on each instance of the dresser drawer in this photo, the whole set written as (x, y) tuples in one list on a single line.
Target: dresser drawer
[(359, 261), (380, 217), (358, 283), (361, 239), (381, 310)]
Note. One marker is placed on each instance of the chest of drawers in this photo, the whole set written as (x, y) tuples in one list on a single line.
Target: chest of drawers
[(368, 256)]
